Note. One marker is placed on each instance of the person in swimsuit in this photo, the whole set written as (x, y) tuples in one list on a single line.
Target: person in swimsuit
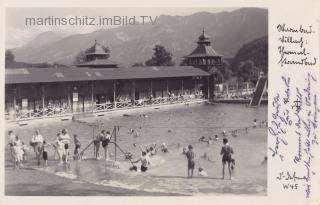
[(144, 159), (77, 146), (97, 142), (65, 138), (190, 157), (45, 146), (59, 148), (105, 142), (226, 152), (12, 138), (36, 143)]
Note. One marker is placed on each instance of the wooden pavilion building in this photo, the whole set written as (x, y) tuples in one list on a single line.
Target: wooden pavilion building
[(207, 59), (97, 85)]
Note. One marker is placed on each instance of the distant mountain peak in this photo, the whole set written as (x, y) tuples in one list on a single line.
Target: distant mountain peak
[(128, 45)]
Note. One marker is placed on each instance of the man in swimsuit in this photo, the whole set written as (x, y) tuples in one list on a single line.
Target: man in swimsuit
[(190, 157), (226, 152)]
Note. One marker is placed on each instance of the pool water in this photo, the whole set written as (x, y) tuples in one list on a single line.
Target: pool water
[(177, 126)]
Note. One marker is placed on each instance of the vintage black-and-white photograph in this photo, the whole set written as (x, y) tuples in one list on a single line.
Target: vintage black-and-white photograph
[(136, 101)]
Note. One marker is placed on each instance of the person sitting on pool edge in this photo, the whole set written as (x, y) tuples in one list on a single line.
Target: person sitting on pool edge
[(226, 152), (144, 161)]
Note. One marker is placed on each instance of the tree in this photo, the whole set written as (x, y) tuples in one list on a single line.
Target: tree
[(9, 58), (161, 57), (246, 70), (80, 58)]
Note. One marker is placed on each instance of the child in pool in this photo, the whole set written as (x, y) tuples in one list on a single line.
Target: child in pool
[(164, 148), (202, 172), (77, 146), (45, 146), (144, 159)]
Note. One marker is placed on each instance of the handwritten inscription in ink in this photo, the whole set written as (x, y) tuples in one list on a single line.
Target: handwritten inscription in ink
[(294, 46)]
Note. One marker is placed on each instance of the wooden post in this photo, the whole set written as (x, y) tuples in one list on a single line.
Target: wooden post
[(94, 147), (92, 97), (69, 100), (151, 88), (182, 86), (134, 92), (227, 89), (115, 143), (237, 88), (114, 95), (42, 94), (208, 87), (14, 98)]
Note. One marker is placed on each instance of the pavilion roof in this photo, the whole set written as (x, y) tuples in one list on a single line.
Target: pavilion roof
[(66, 74)]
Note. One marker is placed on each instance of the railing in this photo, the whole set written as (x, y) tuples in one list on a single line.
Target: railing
[(104, 107), (40, 113), (146, 103)]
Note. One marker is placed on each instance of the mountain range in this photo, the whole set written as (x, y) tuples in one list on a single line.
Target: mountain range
[(228, 32)]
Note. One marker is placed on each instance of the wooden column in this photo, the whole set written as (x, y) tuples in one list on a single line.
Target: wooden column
[(69, 98), (115, 143), (208, 87), (42, 95), (92, 97), (151, 88), (14, 98), (114, 95), (227, 89), (182, 86), (134, 92), (167, 87)]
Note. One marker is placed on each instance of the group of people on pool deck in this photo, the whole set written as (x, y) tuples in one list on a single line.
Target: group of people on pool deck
[(18, 149)]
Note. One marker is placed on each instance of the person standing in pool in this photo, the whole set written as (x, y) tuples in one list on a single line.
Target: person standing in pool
[(45, 146), (190, 157), (97, 142), (65, 138), (105, 141), (77, 146), (144, 161), (226, 152), (36, 143)]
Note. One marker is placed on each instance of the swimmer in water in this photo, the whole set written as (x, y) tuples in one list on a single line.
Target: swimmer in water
[(144, 159), (164, 148)]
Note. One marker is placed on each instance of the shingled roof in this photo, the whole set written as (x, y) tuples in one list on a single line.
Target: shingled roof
[(204, 48), (96, 49), (42, 75)]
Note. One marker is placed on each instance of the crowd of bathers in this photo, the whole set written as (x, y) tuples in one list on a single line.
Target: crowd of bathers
[(61, 146), (40, 146)]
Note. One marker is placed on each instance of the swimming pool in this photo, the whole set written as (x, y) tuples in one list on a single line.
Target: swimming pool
[(177, 126)]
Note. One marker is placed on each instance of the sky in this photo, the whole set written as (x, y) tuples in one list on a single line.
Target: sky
[(18, 34)]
